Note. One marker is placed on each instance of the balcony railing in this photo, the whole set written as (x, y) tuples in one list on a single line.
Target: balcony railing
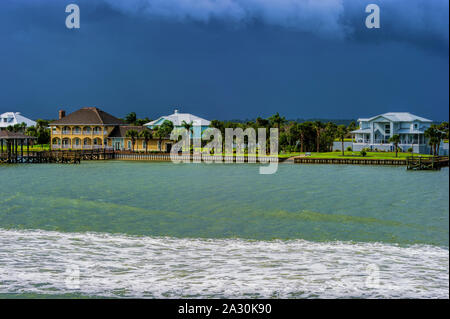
[(359, 141), (79, 147), (381, 142)]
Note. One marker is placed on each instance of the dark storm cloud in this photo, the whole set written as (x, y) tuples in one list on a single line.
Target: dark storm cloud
[(420, 22), (225, 59), (423, 23)]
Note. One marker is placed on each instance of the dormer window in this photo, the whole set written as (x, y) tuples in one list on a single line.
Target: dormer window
[(415, 126)]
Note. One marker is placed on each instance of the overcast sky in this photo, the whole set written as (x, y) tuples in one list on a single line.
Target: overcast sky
[(225, 59)]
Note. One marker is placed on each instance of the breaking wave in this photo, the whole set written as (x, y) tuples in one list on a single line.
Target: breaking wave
[(110, 265)]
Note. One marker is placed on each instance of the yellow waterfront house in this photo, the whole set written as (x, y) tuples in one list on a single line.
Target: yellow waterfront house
[(92, 128), (86, 128)]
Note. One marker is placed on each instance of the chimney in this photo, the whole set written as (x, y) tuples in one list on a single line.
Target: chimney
[(176, 111), (62, 114)]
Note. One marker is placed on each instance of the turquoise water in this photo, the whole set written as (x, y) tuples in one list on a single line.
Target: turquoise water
[(366, 214)]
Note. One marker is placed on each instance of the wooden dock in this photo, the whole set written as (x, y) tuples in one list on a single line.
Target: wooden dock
[(352, 161), (165, 157), (426, 163)]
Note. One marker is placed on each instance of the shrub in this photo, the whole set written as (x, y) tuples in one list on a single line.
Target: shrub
[(363, 152), (410, 150), (349, 149)]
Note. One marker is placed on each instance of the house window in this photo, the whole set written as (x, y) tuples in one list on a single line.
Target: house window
[(129, 144), (415, 126), (387, 128)]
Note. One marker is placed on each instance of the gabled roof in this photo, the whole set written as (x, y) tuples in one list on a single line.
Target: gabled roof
[(178, 118), (88, 115), (16, 118), (121, 131), (365, 131), (397, 117)]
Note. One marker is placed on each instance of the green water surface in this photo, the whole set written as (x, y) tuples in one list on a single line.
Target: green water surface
[(311, 202)]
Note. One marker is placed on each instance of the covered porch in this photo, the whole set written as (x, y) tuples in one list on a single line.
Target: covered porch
[(12, 147)]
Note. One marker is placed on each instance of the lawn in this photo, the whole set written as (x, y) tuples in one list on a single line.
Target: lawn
[(34, 148), (370, 155), (347, 154)]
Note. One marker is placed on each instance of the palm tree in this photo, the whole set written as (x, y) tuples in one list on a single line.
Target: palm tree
[(432, 142), (329, 134), (439, 137), (318, 126), (32, 131), (443, 127), (277, 120), (352, 126), (41, 124), (163, 131), (131, 118), (342, 131), (432, 134), (147, 136), (395, 139), (133, 135), (302, 128), (188, 126)]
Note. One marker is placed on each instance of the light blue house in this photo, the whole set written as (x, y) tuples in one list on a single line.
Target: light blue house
[(177, 119), (374, 132)]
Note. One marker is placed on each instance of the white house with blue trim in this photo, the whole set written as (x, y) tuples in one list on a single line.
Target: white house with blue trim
[(199, 124), (374, 132), (13, 118)]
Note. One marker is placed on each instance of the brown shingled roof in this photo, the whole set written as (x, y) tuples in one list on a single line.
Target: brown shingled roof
[(121, 131), (88, 115)]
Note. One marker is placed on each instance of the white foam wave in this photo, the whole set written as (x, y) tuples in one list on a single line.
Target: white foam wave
[(46, 262)]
